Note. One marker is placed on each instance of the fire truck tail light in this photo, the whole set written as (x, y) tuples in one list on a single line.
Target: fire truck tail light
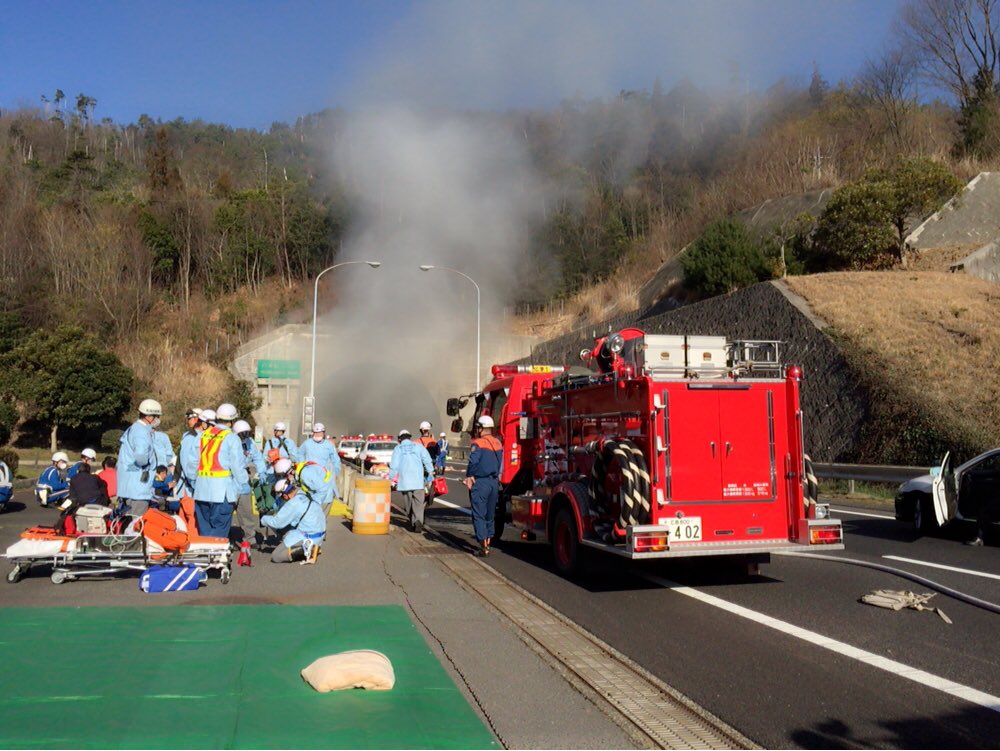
[(825, 535), (647, 542)]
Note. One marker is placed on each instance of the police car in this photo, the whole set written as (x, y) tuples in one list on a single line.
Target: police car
[(350, 446), (377, 452)]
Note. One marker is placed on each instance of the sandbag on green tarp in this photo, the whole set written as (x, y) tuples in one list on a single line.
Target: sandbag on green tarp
[(219, 677)]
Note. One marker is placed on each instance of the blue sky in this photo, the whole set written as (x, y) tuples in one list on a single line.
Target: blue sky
[(252, 63)]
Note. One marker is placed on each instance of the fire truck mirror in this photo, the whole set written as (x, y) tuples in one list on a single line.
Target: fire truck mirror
[(453, 407), (456, 425)]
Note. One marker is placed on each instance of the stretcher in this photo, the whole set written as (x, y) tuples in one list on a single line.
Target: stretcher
[(127, 544)]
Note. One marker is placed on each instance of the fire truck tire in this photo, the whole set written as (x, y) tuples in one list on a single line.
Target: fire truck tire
[(565, 542), (635, 489)]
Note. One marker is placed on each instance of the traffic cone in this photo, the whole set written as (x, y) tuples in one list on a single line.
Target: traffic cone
[(244, 557)]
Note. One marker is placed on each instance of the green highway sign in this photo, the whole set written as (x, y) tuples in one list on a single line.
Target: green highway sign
[(278, 369)]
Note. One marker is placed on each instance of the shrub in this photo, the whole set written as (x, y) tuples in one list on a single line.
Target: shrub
[(110, 439), (727, 257), (9, 457)]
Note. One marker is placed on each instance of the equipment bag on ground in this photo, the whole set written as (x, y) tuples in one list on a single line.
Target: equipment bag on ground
[(171, 578), (440, 486)]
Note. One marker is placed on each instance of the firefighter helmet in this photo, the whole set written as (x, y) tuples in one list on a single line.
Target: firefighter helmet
[(227, 412), (486, 421), (150, 407)]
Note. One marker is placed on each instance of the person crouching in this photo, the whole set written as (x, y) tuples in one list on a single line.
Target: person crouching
[(300, 521)]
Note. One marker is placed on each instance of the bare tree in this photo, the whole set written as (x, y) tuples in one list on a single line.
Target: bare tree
[(953, 42), (889, 83)]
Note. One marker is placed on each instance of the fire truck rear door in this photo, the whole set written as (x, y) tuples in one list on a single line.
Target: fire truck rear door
[(747, 445), (695, 450)]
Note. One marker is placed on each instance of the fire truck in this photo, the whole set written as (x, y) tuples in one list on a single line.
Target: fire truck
[(665, 446)]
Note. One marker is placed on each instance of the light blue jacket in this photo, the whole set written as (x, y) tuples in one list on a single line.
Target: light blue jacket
[(56, 484), (252, 456), (313, 478), (307, 514), (136, 456), (189, 452), (224, 489), (321, 452), (165, 455), (288, 451), (410, 466)]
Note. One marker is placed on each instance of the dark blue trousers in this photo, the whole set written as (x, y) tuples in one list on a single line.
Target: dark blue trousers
[(483, 498), (214, 519)]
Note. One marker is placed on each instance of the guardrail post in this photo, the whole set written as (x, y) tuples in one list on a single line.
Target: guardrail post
[(850, 486)]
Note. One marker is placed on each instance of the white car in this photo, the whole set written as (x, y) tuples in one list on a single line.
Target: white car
[(377, 450), (350, 447), (931, 501)]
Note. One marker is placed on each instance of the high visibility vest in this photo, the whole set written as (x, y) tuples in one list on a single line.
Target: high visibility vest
[(298, 475), (208, 461)]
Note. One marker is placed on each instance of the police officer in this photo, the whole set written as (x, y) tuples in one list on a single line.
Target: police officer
[(221, 473), (442, 457), (482, 479), (87, 456), (189, 452), (52, 487), (411, 469), (137, 459), (300, 516)]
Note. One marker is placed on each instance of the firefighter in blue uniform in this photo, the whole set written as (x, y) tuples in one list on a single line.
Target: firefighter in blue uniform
[(482, 478)]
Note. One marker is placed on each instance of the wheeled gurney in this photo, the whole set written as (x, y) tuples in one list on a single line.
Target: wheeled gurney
[(156, 538)]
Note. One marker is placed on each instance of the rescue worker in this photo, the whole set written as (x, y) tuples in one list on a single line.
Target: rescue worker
[(280, 446), (301, 518), (482, 479), (221, 473), (52, 487), (256, 467), (164, 451), (319, 451), (411, 469), (6, 488), (189, 451), (442, 456), (427, 440), (87, 456), (137, 459)]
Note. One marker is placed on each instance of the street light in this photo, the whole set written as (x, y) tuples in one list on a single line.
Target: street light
[(427, 267), (312, 370)]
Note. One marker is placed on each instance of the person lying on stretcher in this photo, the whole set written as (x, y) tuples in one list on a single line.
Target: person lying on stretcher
[(300, 520)]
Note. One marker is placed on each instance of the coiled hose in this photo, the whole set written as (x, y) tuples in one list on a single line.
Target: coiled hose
[(634, 496)]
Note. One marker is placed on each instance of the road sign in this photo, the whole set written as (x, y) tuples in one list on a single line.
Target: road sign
[(308, 413), (278, 369)]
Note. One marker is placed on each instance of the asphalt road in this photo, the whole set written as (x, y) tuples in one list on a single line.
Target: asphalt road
[(736, 645)]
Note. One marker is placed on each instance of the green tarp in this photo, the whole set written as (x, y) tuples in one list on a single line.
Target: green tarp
[(219, 677)]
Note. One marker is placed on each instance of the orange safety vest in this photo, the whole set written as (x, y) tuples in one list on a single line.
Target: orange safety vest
[(208, 461), (488, 442), (298, 474)]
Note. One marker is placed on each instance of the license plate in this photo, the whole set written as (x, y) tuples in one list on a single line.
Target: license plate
[(687, 529)]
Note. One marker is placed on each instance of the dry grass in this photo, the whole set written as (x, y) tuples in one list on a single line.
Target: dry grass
[(939, 259), (930, 336)]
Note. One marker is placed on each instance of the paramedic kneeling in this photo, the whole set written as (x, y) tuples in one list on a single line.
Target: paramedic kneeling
[(300, 520)]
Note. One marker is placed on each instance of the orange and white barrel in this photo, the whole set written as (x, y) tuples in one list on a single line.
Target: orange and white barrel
[(372, 507)]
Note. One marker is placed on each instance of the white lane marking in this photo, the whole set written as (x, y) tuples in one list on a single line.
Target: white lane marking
[(941, 565), (869, 658), (861, 513), (449, 504)]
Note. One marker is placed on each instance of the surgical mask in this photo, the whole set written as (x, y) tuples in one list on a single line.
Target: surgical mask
[(318, 440), (61, 465), (156, 422)]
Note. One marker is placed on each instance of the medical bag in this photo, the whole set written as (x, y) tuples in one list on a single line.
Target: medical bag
[(440, 486)]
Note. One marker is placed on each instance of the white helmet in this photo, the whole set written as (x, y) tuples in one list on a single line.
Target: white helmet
[(319, 427), (60, 456), (282, 465), (241, 426), (443, 434), (150, 407), (486, 421), (208, 415), (402, 432), (281, 486), (280, 426), (425, 425), (226, 412), (89, 453)]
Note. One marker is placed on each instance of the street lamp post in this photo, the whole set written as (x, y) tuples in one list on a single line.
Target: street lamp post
[(427, 267), (312, 369)]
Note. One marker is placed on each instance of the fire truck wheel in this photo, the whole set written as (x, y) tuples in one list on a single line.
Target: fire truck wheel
[(565, 542)]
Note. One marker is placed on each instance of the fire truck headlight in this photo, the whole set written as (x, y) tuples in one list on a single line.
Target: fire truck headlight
[(616, 343), (822, 511)]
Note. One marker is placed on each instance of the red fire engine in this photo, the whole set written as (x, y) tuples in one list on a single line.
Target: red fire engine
[(667, 446)]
